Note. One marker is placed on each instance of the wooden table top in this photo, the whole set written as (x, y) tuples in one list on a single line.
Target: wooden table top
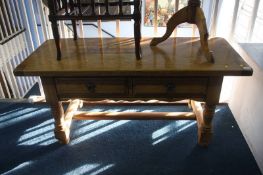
[(116, 57)]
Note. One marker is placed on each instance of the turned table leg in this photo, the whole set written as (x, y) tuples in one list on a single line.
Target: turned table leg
[(61, 130), (204, 115), (205, 132), (212, 99)]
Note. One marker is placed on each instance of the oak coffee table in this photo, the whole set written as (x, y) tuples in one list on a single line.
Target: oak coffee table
[(99, 69)]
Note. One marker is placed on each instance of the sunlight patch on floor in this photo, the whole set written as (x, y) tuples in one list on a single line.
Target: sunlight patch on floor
[(160, 140), (44, 139), (217, 110), (15, 113), (84, 169), (18, 168), (36, 133), (129, 110), (10, 112), (90, 127), (90, 169), (17, 117), (191, 123), (113, 110), (81, 123), (161, 131), (148, 110), (97, 128), (47, 122), (101, 169), (172, 129), (41, 134), (97, 132), (96, 110)]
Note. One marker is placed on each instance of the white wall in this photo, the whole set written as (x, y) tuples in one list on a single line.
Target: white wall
[(244, 94), (246, 105)]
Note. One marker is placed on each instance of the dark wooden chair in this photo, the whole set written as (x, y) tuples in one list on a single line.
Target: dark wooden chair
[(92, 10)]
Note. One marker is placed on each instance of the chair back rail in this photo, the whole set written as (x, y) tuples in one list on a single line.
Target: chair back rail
[(94, 10), (85, 9)]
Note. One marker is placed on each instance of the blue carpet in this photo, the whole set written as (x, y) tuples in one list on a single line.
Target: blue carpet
[(119, 147)]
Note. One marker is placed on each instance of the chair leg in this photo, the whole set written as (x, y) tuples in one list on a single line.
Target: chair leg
[(137, 37), (137, 28), (74, 25), (201, 24), (178, 18), (57, 38)]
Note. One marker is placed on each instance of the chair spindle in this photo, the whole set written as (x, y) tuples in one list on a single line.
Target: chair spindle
[(93, 7), (120, 7), (79, 7), (65, 2), (75, 10), (107, 7)]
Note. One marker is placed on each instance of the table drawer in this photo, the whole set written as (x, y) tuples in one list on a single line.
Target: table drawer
[(169, 87), (92, 87)]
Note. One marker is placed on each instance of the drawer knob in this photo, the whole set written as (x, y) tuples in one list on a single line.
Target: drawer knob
[(91, 87), (170, 87)]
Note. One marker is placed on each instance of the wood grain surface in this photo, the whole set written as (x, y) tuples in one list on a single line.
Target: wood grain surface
[(115, 57)]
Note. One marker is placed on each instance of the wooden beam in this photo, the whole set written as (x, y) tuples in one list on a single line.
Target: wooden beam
[(136, 102), (198, 111), (134, 116), (72, 108), (41, 99), (203, 137)]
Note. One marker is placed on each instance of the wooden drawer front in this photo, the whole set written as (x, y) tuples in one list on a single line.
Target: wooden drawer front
[(169, 87), (92, 87)]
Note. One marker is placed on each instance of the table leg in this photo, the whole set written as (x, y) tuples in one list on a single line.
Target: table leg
[(205, 126), (205, 116), (61, 130)]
